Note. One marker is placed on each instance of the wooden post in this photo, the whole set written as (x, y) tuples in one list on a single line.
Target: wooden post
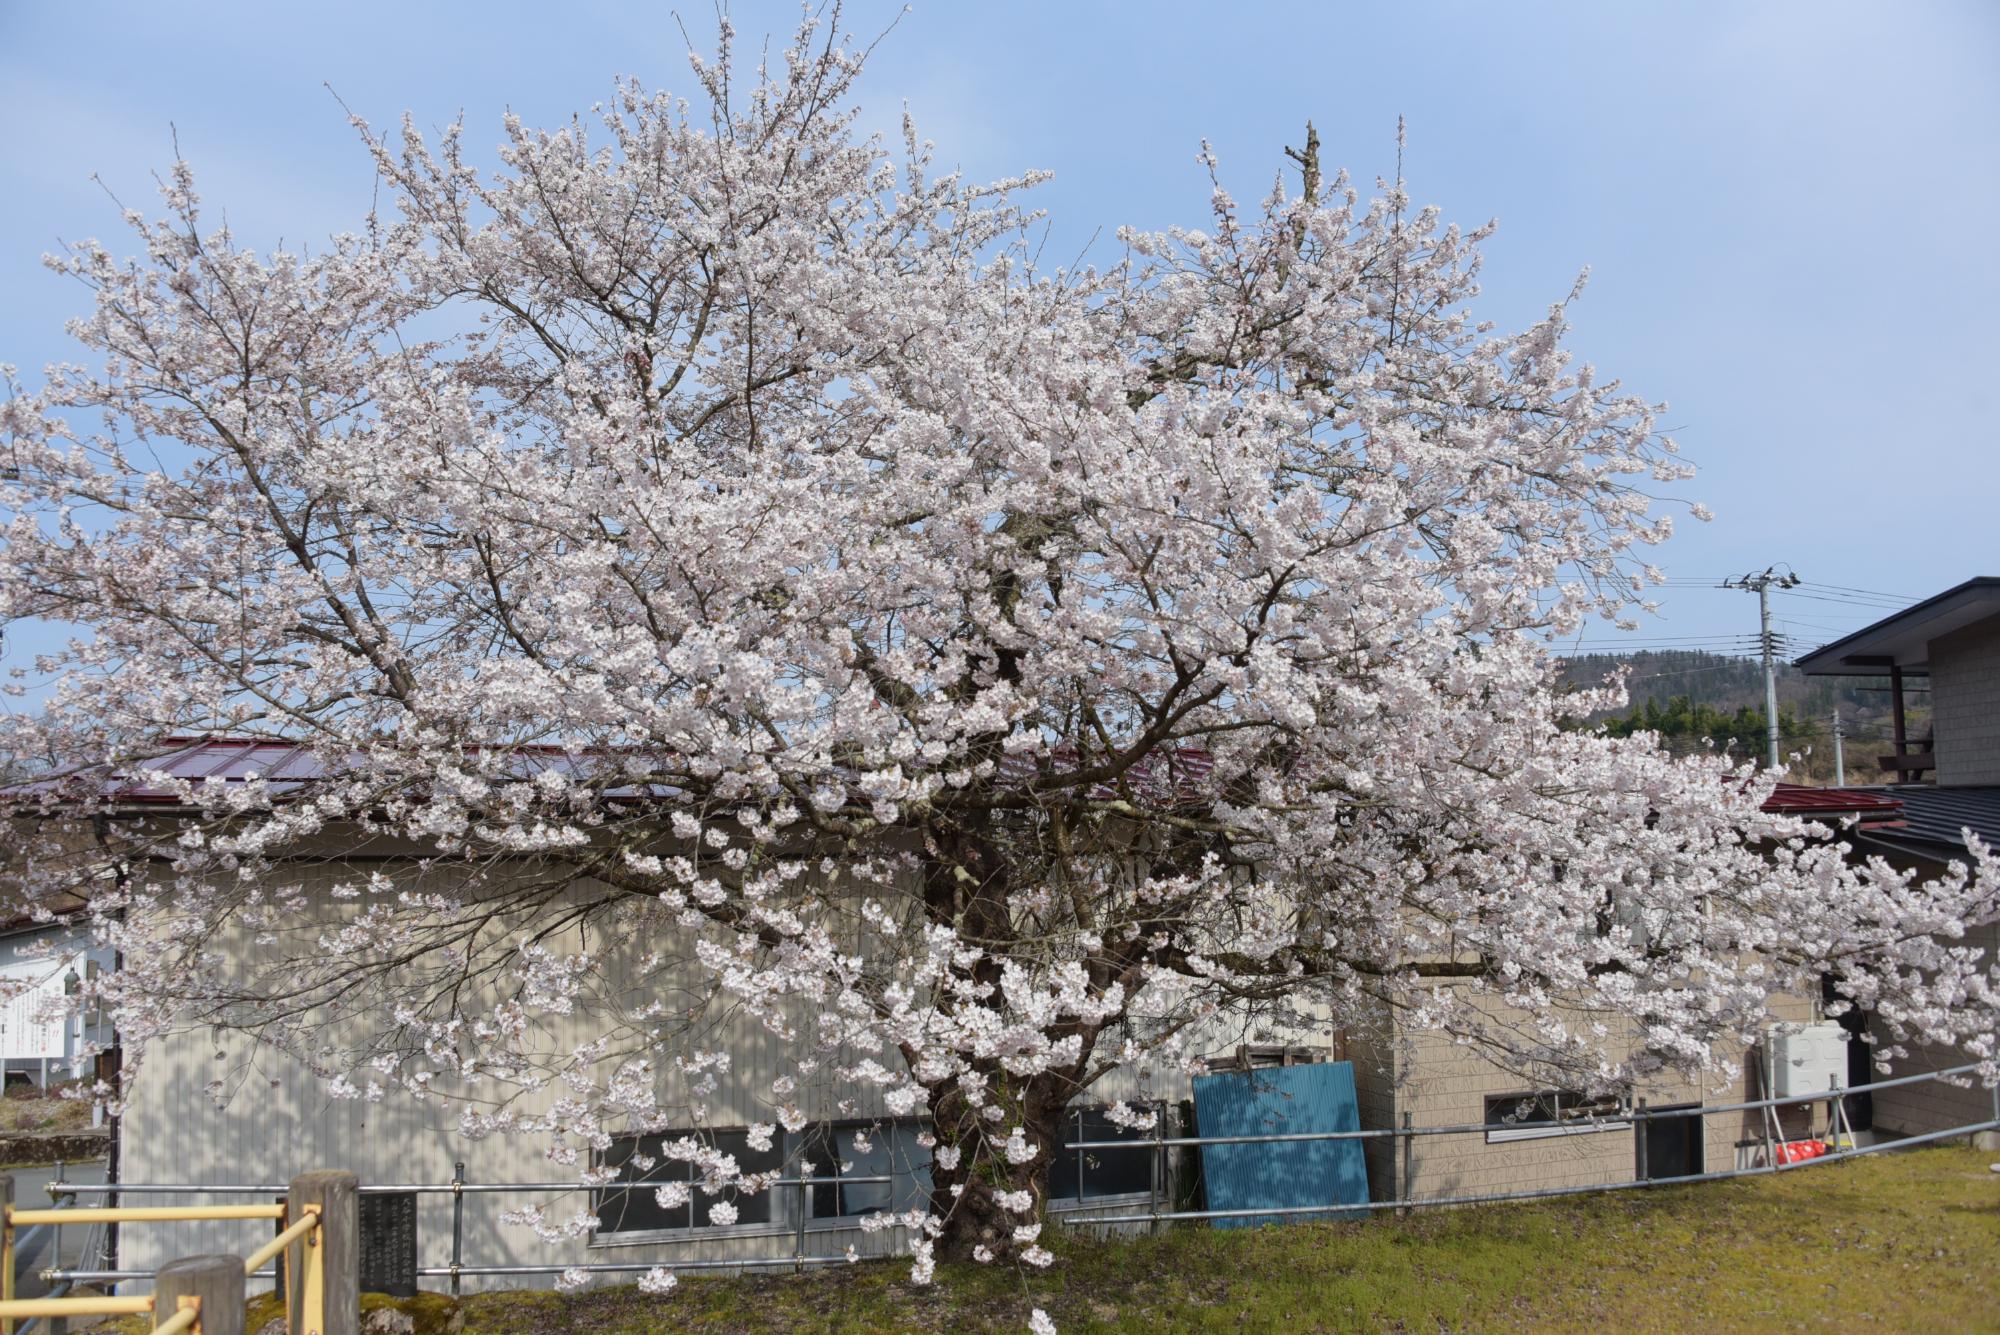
[(1901, 732), (213, 1284), (323, 1284), (7, 1245)]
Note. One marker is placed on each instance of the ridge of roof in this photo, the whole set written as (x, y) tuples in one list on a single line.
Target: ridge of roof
[(1173, 774), (1798, 797)]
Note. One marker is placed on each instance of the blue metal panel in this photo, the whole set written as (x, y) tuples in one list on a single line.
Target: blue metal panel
[(1282, 1100)]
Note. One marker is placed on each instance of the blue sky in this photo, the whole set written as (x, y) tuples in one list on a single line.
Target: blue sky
[(1787, 208)]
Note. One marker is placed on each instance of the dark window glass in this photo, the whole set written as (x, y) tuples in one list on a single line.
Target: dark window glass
[(1100, 1172), (892, 1151), (637, 1208)]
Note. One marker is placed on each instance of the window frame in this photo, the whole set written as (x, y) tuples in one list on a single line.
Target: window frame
[(784, 1200), (1068, 1203), (795, 1145), (620, 1237), (1501, 1133)]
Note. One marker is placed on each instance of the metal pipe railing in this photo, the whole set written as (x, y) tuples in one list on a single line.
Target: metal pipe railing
[(1156, 1144), (83, 1276), (1496, 1197), (458, 1188), (1583, 1124), (634, 1267), (392, 1188)]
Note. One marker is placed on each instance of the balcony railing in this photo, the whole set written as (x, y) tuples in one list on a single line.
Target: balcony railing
[(1910, 758)]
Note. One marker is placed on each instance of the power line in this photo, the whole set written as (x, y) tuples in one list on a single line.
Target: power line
[(1825, 623), (1658, 637), (1721, 581), (1692, 640), (1843, 601), (1693, 644), (1873, 593), (1745, 651), (1736, 666)]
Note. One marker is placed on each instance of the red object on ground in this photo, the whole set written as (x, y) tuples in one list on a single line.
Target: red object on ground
[(1798, 1151)]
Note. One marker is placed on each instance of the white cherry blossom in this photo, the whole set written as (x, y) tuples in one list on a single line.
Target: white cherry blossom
[(760, 596)]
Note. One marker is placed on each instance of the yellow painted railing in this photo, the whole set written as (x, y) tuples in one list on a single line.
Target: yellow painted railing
[(188, 1318), (107, 1306), (308, 1265), (307, 1222), (141, 1214)]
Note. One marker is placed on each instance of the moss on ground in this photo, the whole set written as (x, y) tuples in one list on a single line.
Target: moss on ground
[(1904, 1241)]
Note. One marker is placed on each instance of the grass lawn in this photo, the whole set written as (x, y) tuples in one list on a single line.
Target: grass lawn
[(1906, 1241)]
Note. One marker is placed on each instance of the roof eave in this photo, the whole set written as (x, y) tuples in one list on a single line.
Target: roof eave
[(1901, 641)]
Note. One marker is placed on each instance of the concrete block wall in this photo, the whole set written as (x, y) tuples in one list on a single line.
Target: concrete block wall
[(1934, 1105), (1375, 1069), (1445, 1084), (1965, 703)]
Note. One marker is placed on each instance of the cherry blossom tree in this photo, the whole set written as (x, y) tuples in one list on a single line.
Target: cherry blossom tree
[(713, 532)]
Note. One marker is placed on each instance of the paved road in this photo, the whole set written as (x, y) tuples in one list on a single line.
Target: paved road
[(29, 1192)]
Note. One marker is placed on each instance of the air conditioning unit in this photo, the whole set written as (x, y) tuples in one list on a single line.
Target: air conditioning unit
[(1811, 1061)]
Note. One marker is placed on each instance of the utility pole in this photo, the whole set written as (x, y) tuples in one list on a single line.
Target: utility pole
[(1839, 760), (1763, 584)]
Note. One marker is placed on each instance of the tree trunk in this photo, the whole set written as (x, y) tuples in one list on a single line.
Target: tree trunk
[(966, 1196)]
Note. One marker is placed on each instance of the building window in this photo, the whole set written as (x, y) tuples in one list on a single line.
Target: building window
[(885, 1149), (637, 1209), (1558, 1112), (1080, 1176), (854, 1150)]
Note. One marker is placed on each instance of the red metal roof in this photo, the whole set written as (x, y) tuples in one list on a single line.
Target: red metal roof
[(1874, 809), (1165, 775), (184, 758), (284, 766)]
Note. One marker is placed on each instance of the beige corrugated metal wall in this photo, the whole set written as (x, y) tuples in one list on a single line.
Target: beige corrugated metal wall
[(278, 1120)]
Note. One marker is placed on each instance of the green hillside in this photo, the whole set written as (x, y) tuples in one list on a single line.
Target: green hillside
[(1692, 698)]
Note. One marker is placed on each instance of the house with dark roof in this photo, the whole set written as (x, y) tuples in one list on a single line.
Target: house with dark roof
[(1946, 785)]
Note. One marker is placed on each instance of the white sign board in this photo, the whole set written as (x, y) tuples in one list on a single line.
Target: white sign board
[(33, 1021)]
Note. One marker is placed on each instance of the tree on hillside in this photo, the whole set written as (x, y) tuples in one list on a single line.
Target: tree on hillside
[(981, 676), (1685, 721)]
